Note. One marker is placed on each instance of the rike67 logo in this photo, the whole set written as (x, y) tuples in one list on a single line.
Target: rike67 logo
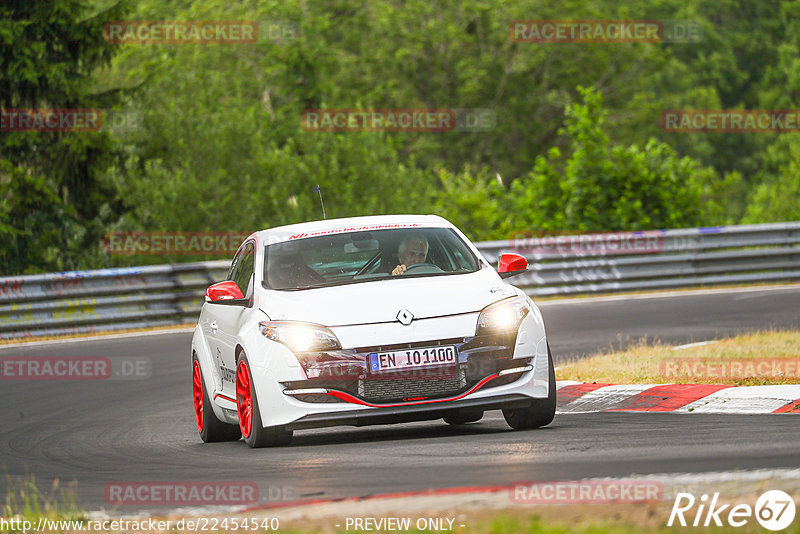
[(774, 510)]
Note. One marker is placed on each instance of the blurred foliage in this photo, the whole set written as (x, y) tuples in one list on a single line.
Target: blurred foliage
[(27, 501), (777, 197), (217, 143), (55, 193), (605, 186)]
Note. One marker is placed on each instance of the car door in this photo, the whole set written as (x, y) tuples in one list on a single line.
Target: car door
[(225, 321)]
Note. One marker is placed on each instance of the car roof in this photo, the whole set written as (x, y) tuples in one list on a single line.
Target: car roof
[(349, 224)]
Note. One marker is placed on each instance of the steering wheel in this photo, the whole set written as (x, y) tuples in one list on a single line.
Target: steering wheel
[(424, 268)]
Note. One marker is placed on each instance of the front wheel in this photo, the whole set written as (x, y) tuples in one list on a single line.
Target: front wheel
[(254, 434), (210, 428), (542, 411)]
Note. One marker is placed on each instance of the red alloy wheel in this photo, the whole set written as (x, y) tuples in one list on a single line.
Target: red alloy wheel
[(197, 389), (244, 399)]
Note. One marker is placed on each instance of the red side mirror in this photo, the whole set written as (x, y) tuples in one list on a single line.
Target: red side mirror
[(224, 291), (512, 263)]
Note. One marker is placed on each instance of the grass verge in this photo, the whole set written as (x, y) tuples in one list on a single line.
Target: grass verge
[(26, 501), (760, 358)]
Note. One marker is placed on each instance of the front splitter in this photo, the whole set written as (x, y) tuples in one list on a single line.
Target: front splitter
[(404, 414)]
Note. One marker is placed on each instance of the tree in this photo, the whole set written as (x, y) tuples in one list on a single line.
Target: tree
[(602, 186), (55, 197), (775, 199)]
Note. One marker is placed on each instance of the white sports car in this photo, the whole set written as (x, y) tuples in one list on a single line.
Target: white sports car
[(361, 321)]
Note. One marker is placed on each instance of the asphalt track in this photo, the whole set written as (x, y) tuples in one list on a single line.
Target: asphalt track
[(97, 432)]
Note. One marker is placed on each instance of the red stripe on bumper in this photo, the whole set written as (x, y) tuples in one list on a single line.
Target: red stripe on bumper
[(224, 397), (667, 398)]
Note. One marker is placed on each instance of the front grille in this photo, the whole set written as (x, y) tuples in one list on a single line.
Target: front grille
[(347, 371), (398, 388)]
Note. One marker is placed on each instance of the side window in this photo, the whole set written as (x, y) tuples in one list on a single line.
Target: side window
[(234, 263), (243, 267)]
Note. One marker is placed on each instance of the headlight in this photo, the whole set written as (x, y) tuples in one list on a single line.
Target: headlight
[(503, 316), (300, 337)]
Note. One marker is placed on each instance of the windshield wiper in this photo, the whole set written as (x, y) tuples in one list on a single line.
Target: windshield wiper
[(313, 286)]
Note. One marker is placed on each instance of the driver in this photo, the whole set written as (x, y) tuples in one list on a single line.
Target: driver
[(412, 250)]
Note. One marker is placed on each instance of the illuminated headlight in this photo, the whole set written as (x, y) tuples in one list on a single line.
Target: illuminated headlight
[(503, 316), (300, 337)]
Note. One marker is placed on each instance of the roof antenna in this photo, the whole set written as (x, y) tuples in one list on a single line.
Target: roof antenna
[(318, 189)]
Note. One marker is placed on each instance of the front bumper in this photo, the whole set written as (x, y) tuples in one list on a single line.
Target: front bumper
[(343, 376), (405, 414), (341, 373)]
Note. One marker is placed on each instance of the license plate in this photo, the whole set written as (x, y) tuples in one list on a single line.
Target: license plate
[(413, 358)]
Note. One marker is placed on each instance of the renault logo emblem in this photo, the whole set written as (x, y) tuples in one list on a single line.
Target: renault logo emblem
[(405, 317)]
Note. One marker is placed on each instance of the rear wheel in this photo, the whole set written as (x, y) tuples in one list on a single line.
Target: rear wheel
[(255, 435), (464, 416), (542, 411), (211, 429)]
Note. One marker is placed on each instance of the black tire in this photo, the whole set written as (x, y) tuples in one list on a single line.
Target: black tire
[(542, 411), (211, 429), (464, 416), (259, 436)]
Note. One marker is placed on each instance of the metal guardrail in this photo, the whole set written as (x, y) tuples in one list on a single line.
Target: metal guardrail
[(113, 299), (683, 258), (105, 299)]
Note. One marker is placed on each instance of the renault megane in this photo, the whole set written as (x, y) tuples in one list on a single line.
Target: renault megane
[(367, 320)]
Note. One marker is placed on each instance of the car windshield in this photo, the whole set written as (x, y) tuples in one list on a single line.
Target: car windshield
[(365, 256)]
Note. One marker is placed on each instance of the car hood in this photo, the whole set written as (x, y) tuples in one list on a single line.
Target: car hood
[(380, 301)]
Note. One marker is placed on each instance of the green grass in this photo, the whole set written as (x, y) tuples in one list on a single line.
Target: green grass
[(26, 501), (645, 363)]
